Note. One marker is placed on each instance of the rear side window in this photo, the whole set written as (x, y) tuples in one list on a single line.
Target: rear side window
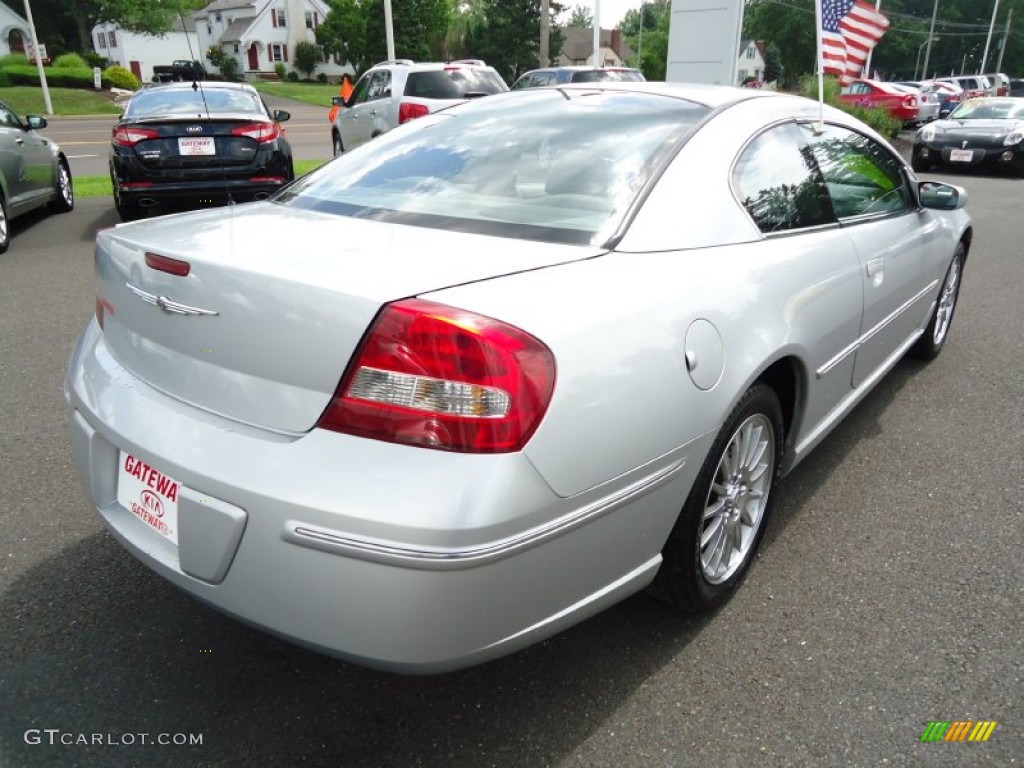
[(779, 184), (455, 83)]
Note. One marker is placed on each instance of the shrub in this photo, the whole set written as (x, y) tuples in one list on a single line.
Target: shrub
[(229, 68), (119, 77), (13, 58), (95, 60), (4, 80), (322, 78), (307, 56), (293, 77), (69, 61), (28, 74), (281, 70)]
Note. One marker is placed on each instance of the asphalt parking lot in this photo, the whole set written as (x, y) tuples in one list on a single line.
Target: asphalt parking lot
[(887, 594)]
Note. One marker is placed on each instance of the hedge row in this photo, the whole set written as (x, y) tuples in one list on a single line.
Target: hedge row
[(23, 74)]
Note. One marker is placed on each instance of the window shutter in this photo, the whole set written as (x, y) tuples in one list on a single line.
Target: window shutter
[(285, 49), (273, 16), (316, 19), (270, 54)]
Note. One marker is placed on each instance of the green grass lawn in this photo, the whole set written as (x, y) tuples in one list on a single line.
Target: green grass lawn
[(310, 93), (99, 186), (28, 100)]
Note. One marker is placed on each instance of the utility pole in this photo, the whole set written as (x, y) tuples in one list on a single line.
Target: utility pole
[(389, 30), (988, 40), (545, 32), (39, 59), (931, 36), (597, 33), (1006, 39)]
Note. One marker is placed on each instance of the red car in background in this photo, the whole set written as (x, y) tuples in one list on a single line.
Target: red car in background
[(872, 93)]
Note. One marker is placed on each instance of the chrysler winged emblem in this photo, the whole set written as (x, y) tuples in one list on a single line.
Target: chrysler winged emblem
[(168, 305)]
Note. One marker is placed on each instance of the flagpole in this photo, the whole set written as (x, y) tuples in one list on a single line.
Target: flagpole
[(821, 66), (867, 64)]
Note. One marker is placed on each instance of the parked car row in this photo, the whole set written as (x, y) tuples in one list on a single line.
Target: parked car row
[(935, 98)]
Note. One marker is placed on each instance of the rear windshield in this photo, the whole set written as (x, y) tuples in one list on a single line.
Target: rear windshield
[(596, 75), (560, 165), (156, 102), (456, 83)]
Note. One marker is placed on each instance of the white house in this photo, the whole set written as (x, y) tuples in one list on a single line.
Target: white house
[(578, 47), (259, 34), (15, 35), (750, 62), (140, 53)]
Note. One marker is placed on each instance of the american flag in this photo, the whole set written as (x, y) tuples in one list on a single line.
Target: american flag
[(849, 30)]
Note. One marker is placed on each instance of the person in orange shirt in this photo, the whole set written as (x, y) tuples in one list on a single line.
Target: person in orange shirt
[(345, 92)]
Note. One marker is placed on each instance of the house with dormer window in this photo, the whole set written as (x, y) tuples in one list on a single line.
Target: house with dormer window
[(750, 64), (260, 34)]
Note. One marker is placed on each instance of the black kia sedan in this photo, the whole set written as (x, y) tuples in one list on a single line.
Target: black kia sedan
[(980, 132), (191, 144)]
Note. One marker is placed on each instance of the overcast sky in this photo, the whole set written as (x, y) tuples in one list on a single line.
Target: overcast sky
[(612, 11)]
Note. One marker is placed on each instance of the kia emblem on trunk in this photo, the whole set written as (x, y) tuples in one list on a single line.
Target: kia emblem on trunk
[(194, 129)]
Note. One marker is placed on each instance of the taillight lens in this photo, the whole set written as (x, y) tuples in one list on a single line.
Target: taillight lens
[(261, 132), (910, 100), (438, 377), (408, 111), (130, 135)]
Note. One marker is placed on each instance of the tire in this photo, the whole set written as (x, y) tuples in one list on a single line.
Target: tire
[(5, 226), (723, 519), (65, 199), (336, 143), (919, 165), (936, 332)]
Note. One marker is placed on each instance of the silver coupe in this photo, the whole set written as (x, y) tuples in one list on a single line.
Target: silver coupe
[(498, 369)]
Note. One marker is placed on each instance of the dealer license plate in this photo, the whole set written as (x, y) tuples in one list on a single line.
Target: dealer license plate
[(198, 145), (961, 155), (149, 494)]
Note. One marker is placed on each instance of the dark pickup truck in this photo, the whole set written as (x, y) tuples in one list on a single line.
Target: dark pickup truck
[(181, 69)]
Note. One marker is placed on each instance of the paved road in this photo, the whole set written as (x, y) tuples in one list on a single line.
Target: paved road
[(85, 140), (887, 594)]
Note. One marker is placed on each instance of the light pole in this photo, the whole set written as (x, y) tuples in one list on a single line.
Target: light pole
[(931, 36), (922, 45), (39, 59), (988, 40)]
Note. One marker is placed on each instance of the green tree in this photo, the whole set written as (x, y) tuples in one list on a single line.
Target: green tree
[(356, 32), (507, 36), (651, 45), (581, 17), (773, 70), (307, 56)]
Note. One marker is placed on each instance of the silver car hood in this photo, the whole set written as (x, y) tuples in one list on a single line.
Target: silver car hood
[(276, 300)]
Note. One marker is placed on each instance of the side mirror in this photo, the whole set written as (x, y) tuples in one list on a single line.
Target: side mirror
[(337, 101), (942, 197), (281, 115), (35, 122)]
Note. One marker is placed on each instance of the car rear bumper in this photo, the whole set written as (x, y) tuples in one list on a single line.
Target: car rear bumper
[(1011, 158), (394, 557)]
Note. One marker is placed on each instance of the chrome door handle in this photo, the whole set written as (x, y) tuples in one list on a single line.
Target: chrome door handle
[(875, 266)]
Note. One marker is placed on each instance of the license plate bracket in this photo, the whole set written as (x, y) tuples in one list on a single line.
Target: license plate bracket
[(193, 146), (149, 495), (961, 155)]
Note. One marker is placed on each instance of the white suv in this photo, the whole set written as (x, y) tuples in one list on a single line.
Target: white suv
[(393, 92)]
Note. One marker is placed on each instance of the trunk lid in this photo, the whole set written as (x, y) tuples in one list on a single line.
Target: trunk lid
[(293, 292)]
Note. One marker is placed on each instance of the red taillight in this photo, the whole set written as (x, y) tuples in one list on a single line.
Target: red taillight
[(910, 100), (130, 135), (167, 264), (438, 377), (408, 111), (262, 132)]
